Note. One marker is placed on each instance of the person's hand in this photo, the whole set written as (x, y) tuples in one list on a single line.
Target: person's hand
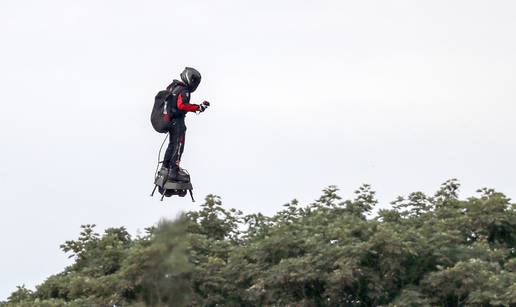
[(204, 106)]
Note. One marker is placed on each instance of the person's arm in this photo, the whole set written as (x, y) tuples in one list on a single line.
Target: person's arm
[(184, 105)]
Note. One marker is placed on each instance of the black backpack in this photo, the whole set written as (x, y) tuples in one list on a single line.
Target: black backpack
[(165, 107), (160, 119)]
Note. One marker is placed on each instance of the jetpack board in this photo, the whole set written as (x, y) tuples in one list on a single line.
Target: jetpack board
[(169, 188)]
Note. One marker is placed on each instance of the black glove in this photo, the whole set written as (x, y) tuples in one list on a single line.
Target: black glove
[(203, 106)]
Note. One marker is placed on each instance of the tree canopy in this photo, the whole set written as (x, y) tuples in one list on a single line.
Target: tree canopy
[(423, 250)]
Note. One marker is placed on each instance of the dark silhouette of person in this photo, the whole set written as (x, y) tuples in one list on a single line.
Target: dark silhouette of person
[(177, 105)]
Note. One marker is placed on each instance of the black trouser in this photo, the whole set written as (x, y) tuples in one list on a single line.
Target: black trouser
[(176, 144)]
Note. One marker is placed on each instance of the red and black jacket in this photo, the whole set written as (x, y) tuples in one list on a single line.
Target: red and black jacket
[(178, 103)]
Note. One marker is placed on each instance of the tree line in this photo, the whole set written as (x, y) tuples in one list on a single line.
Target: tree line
[(436, 250)]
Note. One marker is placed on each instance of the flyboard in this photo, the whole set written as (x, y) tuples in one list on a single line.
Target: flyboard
[(167, 187)]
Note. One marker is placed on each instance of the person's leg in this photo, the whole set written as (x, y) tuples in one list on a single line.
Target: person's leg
[(177, 151), (172, 143), (182, 134)]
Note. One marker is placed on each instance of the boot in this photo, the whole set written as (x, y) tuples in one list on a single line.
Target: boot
[(175, 174), (163, 171), (184, 173)]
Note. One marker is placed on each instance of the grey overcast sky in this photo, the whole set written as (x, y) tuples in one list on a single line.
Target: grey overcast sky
[(399, 94)]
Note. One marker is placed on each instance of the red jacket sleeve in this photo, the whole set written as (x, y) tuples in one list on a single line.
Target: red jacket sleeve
[(187, 107)]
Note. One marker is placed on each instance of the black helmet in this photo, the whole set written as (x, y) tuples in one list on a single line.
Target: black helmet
[(191, 77)]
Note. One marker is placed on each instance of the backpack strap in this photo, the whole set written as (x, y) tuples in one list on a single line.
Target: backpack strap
[(173, 90)]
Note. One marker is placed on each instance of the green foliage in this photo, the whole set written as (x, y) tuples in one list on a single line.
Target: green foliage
[(424, 251), (21, 294)]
